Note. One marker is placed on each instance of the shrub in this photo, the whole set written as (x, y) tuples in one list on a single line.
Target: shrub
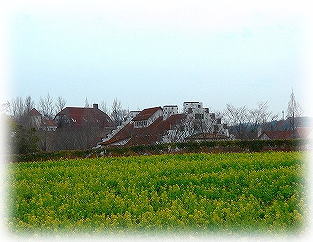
[(205, 146)]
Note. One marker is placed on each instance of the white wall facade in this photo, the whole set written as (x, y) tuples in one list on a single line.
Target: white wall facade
[(169, 110), (193, 107), (149, 121), (195, 112)]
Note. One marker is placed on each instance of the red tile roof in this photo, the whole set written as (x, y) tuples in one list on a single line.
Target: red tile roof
[(79, 116), (303, 132), (49, 122), (147, 135), (146, 113), (34, 112), (287, 134)]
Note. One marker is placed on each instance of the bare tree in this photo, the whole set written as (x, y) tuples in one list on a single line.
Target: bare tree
[(26, 119), (118, 113), (294, 110), (258, 117), (87, 105), (103, 107), (5, 107), (20, 109), (46, 106), (238, 119), (17, 108), (60, 104), (28, 104)]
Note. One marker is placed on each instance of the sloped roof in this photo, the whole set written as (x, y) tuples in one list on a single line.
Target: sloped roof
[(303, 132), (146, 113), (34, 112), (80, 115), (145, 135), (287, 134), (49, 122)]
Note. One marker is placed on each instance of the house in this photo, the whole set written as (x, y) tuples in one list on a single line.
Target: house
[(286, 124), (148, 127), (79, 117), (298, 133), (48, 125), (165, 124), (269, 135), (147, 117), (39, 122), (35, 118), (207, 122)]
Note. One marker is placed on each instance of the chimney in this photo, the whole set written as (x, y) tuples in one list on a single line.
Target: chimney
[(95, 106)]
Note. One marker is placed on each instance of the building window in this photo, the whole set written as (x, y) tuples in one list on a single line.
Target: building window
[(189, 110), (199, 116)]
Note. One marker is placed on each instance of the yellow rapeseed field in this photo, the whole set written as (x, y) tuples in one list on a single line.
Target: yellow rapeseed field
[(207, 192)]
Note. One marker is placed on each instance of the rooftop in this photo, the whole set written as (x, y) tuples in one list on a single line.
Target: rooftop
[(145, 135), (146, 113)]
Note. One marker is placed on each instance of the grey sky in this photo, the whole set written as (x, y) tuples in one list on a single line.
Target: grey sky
[(164, 57)]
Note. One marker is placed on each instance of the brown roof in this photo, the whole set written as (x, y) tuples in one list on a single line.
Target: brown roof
[(49, 122), (34, 112), (79, 116), (303, 132), (147, 135), (146, 113), (287, 134)]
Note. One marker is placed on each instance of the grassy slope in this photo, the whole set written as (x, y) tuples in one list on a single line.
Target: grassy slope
[(259, 191)]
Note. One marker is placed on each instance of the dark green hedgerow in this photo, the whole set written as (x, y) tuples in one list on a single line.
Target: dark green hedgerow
[(204, 146)]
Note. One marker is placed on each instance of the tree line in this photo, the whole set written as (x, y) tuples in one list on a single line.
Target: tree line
[(242, 122), (18, 108), (25, 138)]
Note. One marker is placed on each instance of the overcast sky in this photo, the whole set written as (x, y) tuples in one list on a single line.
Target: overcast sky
[(167, 52)]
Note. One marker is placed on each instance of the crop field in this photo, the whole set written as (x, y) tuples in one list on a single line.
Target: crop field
[(181, 192)]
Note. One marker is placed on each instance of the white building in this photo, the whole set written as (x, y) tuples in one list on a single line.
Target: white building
[(208, 122), (166, 124), (147, 117), (169, 110)]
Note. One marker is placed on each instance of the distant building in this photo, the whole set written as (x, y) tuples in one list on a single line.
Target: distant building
[(39, 122), (79, 117), (169, 110), (269, 135), (147, 117), (298, 133), (282, 129), (165, 124), (210, 123)]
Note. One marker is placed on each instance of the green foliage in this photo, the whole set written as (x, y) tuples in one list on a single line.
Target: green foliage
[(205, 147), (24, 140), (225, 192)]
